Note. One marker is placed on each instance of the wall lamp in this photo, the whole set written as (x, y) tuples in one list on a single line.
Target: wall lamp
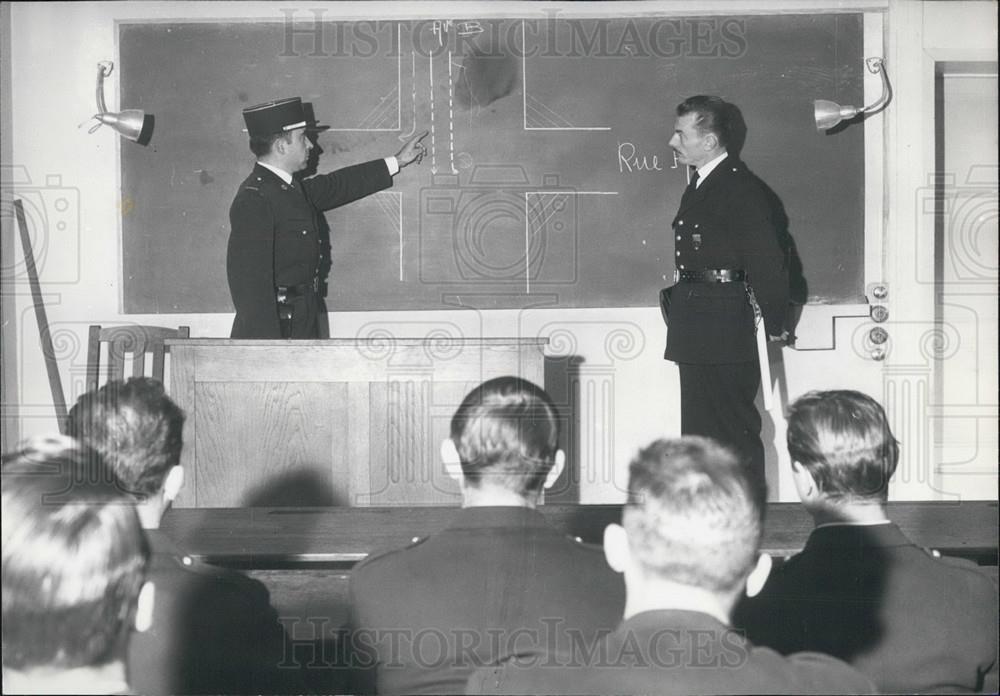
[(828, 114), (134, 124)]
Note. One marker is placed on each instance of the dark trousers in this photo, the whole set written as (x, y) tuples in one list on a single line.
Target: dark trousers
[(717, 401)]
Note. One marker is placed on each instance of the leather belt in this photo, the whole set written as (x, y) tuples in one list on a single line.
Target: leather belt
[(297, 290), (711, 275)]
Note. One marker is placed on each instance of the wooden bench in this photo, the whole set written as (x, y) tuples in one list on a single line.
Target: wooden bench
[(305, 555), (263, 538)]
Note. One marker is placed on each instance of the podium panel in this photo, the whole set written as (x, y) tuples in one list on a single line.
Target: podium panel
[(344, 422)]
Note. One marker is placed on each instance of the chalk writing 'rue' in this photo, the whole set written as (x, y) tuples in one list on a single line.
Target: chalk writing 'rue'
[(630, 161)]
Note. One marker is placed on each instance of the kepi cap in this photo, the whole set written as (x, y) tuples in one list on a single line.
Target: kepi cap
[(273, 117)]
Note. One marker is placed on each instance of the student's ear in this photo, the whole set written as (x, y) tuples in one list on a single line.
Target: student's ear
[(758, 576), (805, 484), (173, 483), (452, 462), (144, 607), (616, 550), (555, 472)]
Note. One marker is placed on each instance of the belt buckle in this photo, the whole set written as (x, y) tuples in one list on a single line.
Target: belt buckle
[(677, 275)]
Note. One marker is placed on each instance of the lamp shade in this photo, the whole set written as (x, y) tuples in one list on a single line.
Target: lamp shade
[(134, 124), (828, 113)]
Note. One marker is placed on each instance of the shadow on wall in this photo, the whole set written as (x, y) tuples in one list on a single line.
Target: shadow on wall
[(301, 487)]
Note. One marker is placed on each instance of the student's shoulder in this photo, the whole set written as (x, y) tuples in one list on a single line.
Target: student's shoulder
[(183, 572), (576, 546), (808, 673), (792, 570), (968, 578), (376, 562)]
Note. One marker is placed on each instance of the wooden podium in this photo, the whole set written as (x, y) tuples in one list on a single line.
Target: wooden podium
[(354, 422)]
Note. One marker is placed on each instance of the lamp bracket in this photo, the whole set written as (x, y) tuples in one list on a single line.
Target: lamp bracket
[(876, 66), (104, 69)]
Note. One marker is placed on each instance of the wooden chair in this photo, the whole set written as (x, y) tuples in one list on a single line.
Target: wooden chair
[(121, 340)]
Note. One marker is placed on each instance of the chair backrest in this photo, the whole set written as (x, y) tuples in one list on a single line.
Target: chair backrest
[(121, 340)]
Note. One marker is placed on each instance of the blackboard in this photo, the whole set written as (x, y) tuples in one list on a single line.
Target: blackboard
[(548, 173)]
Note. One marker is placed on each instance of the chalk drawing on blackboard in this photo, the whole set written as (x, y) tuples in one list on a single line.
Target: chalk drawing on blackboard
[(450, 138), (540, 113), (451, 114), (379, 118), (476, 223), (413, 98), (390, 203), (375, 120), (441, 28), (430, 72), (477, 220)]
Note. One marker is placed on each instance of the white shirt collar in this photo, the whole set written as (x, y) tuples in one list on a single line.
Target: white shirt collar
[(280, 173), (706, 169)]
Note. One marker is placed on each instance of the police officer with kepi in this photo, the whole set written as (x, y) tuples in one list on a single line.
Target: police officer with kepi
[(274, 249), (729, 270)]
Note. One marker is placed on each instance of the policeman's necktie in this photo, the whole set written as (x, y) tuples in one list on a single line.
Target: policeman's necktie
[(691, 187)]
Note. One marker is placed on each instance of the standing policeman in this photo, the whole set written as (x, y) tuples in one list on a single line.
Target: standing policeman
[(729, 266), (274, 246)]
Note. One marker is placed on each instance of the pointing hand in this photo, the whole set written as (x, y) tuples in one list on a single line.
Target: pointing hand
[(413, 151)]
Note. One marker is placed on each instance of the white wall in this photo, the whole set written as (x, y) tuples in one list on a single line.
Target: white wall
[(55, 49), (921, 34)]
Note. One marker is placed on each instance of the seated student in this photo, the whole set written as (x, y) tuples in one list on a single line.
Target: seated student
[(498, 578), (687, 547), (74, 557), (214, 630), (860, 590)]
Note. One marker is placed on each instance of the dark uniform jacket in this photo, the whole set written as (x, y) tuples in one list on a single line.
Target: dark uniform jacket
[(214, 631), (727, 222), (497, 580), (671, 652), (275, 236), (867, 594)]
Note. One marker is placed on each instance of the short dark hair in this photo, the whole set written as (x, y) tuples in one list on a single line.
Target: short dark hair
[(506, 431), (261, 145), (843, 439), (74, 558), (136, 428), (695, 513), (716, 115)]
